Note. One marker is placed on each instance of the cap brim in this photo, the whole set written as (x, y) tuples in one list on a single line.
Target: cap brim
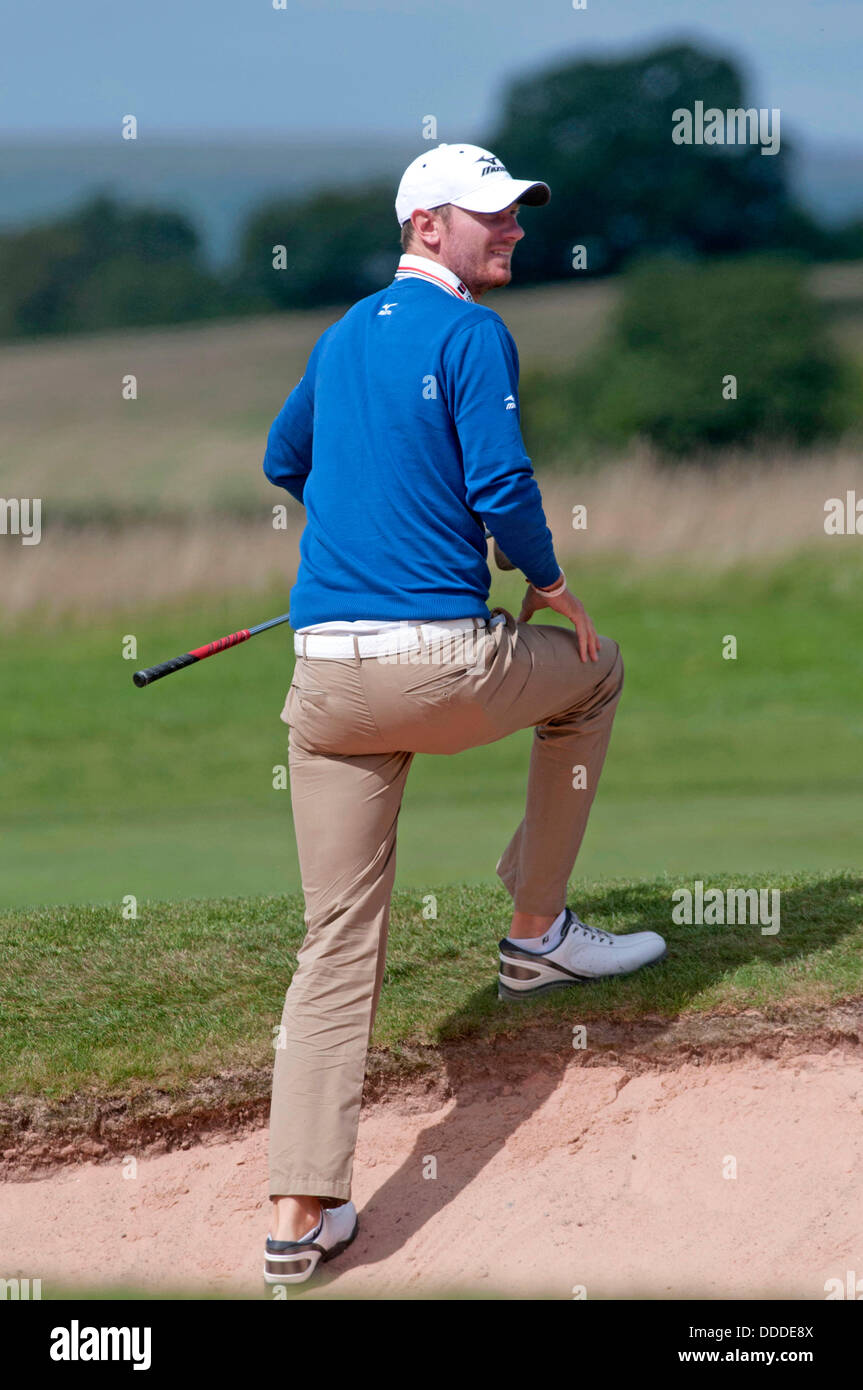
[(497, 194)]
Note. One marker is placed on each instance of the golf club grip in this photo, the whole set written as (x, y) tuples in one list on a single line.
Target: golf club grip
[(221, 644), (155, 673)]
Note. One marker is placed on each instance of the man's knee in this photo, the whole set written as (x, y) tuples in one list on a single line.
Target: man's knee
[(616, 659), (609, 678), (609, 667), (601, 682)]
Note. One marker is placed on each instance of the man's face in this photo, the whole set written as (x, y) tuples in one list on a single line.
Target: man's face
[(478, 246)]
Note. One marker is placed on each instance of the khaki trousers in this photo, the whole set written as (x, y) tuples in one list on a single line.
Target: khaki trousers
[(356, 724)]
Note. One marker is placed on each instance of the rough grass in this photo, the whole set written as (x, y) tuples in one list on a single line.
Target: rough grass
[(98, 1002)]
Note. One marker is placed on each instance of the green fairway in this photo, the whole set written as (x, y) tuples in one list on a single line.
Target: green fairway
[(750, 765)]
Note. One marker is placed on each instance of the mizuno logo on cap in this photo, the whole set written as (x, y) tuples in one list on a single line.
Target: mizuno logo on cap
[(492, 163)]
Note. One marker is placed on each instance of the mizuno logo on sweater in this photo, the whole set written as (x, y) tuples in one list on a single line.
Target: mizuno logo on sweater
[(388, 308), (509, 401)]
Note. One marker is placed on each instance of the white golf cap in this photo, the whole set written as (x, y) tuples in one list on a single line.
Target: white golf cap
[(467, 175)]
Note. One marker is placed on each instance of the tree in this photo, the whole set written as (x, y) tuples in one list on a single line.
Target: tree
[(699, 356), (339, 247), (600, 134), (103, 266)]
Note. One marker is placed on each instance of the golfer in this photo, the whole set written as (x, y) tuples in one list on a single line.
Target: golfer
[(403, 442)]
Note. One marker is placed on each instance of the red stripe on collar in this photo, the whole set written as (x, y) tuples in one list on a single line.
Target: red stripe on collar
[(460, 289)]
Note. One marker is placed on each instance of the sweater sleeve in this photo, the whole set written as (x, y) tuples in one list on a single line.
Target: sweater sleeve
[(481, 375), (288, 457)]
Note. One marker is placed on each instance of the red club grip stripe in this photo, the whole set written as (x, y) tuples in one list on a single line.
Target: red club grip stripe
[(221, 644)]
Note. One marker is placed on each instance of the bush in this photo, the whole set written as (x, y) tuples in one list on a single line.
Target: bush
[(340, 246), (681, 331), (103, 266)]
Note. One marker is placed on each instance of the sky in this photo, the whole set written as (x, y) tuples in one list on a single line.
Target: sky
[(244, 68)]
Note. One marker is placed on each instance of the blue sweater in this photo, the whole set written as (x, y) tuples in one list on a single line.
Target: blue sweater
[(401, 439)]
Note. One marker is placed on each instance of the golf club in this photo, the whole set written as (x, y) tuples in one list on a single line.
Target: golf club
[(221, 644)]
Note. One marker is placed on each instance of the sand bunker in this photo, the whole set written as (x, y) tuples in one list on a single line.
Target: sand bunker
[(736, 1179)]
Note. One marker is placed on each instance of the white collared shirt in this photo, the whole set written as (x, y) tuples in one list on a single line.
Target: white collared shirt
[(424, 268)]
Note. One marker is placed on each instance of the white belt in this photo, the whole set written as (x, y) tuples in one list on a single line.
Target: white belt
[(336, 646)]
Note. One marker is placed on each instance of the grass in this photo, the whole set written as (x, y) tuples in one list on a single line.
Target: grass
[(98, 1003), (750, 766)]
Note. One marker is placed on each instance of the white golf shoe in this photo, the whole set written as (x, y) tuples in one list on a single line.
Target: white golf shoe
[(294, 1261), (583, 953)]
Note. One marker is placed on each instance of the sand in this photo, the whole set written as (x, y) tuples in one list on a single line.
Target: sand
[(736, 1179)]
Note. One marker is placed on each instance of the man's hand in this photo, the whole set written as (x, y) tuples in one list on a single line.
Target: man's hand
[(572, 608)]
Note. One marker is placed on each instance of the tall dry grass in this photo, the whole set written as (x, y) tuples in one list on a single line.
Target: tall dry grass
[(206, 396), (745, 509), (193, 442)]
